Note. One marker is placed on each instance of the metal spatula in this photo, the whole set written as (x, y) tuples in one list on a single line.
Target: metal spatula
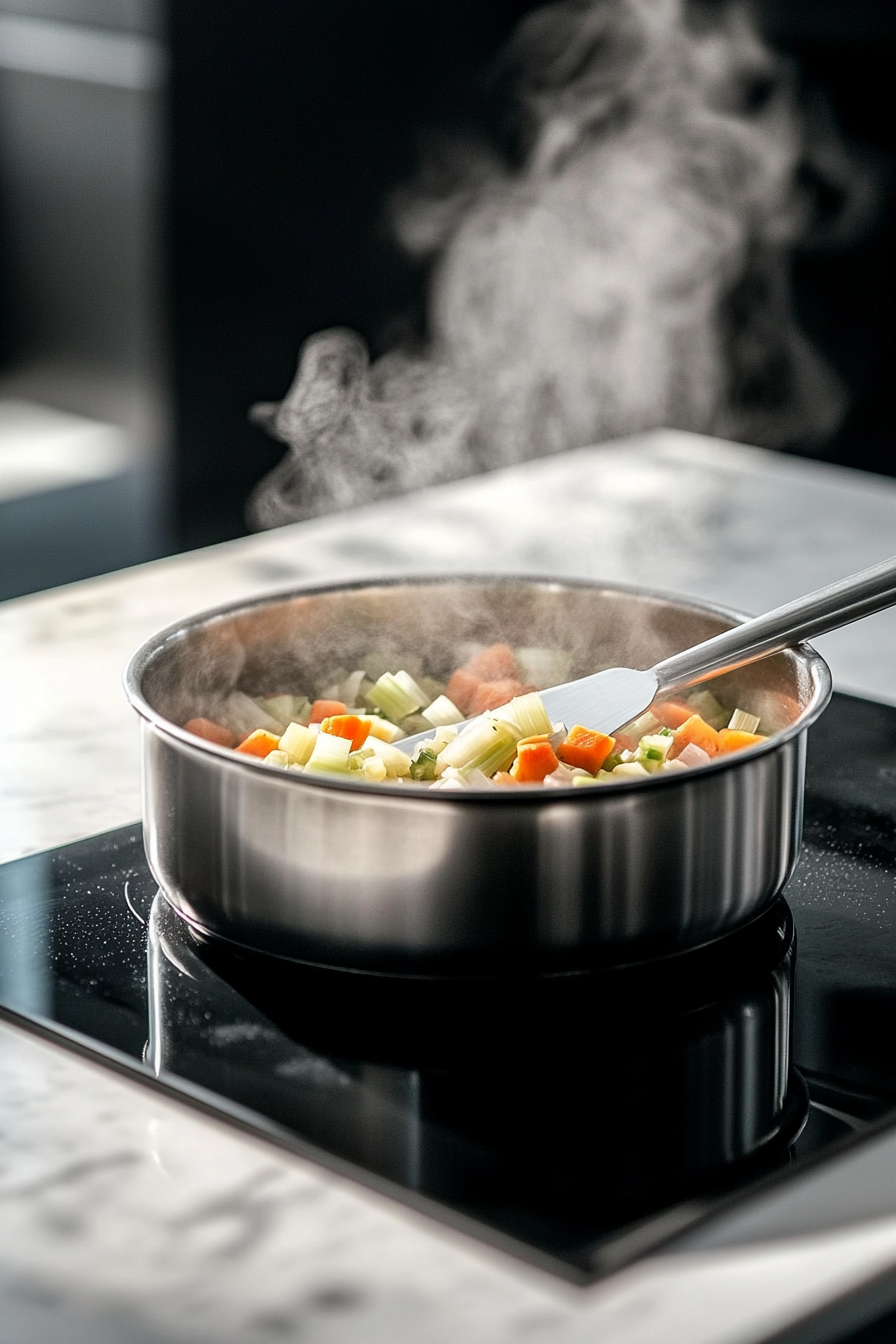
[(607, 700)]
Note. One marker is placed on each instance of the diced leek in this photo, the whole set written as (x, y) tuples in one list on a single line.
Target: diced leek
[(587, 779), (440, 739), (630, 770), (396, 694), (707, 706), (298, 743), (423, 766), (278, 758), (330, 755), (383, 729), (243, 715), (397, 762), (742, 722), (544, 667), (351, 689), (653, 750), (487, 745), (528, 713), (672, 766), (374, 770), (645, 725), (279, 707), (478, 779), (442, 712)]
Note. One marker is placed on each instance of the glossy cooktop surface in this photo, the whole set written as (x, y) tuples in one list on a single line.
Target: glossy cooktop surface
[(580, 1121)]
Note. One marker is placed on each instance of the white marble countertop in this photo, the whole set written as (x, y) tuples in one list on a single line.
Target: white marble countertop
[(126, 1215)]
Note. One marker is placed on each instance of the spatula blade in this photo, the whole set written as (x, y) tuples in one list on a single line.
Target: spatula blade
[(604, 701)]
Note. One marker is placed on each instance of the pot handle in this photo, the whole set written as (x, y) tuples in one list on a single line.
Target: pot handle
[(826, 609)]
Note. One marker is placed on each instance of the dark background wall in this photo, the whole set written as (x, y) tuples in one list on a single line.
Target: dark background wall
[(290, 120)]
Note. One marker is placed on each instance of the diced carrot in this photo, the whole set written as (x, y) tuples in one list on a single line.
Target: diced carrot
[(496, 663), (211, 731), (671, 713), (699, 732), (734, 740), (461, 688), (491, 694), (533, 761), (260, 743), (585, 748), (347, 725), (323, 709)]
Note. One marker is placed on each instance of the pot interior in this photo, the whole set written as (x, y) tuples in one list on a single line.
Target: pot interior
[(290, 644)]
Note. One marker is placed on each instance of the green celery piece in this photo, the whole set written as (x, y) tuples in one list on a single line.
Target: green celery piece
[(423, 766)]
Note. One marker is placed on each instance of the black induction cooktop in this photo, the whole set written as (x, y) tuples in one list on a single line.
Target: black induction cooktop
[(580, 1120)]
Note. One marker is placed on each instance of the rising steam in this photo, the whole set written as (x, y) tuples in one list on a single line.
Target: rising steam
[(623, 265)]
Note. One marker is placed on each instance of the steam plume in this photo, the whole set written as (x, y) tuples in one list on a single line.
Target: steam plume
[(623, 264)]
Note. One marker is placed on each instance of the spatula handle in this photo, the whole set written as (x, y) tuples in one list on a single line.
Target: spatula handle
[(826, 609)]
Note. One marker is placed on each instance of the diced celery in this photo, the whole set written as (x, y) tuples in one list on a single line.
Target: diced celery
[(487, 745), (630, 770), (397, 762), (528, 713), (374, 770), (478, 779), (646, 724), (653, 750), (279, 707), (442, 712), (330, 755), (423, 766), (586, 779), (707, 706), (243, 715), (278, 758), (351, 689), (544, 667), (298, 743), (742, 722), (397, 695), (383, 729)]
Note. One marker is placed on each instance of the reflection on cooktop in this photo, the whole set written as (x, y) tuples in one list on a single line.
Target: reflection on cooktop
[(581, 1121)]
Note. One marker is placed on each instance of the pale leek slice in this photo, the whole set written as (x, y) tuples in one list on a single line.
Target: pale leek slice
[(442, 712), (298, 743), (330, 756), (742, 722)]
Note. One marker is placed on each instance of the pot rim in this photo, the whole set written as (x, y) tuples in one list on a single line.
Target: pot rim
[(818, 670)]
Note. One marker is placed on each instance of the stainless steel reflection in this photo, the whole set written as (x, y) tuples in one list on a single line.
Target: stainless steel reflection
[(400, 878)]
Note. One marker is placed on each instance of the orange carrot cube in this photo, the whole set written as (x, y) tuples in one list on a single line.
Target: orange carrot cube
[(260, 743), (734, 740), (585, 748), (211, 731), (696, 730), (534, 760), (323, 709), (671, 713), (347, 725)]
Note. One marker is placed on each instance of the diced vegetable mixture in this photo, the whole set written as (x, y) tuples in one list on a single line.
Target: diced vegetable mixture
[(351, 729)]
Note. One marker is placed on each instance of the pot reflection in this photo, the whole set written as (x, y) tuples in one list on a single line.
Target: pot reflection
[(554, 1109)]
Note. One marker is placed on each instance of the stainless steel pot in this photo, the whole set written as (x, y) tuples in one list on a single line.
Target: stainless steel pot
[(402, 879)]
